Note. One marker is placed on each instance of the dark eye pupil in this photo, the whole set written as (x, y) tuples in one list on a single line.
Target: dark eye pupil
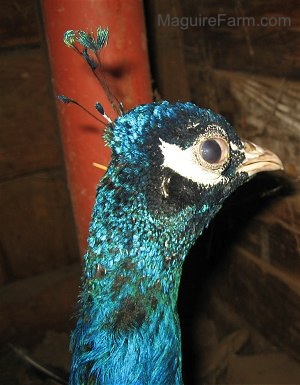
[(211, 151)]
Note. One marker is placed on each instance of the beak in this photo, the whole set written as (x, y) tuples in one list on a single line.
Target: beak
[(258, 159)]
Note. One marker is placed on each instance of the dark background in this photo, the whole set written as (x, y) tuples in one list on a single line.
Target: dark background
[(240, 294)]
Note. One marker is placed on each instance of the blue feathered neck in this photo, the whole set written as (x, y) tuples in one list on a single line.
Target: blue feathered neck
[(128, 329)]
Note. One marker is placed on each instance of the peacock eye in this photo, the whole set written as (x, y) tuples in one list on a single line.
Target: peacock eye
[(213, 152)]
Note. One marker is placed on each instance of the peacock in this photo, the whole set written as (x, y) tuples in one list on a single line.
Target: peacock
[(172, 166)]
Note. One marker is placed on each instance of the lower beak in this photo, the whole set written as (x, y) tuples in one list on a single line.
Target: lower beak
[(258, 159)]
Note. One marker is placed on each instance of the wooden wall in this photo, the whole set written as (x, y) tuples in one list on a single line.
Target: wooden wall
[(37, 232), (251, 76)]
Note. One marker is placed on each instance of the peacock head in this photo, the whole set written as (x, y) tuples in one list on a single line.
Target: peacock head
[(184, 155), (178, 155)]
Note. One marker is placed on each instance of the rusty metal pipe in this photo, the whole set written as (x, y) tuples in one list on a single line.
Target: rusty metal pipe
[(125, 62)]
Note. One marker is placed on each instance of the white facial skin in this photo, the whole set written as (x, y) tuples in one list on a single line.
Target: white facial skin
[(190, 164), (186, 164)]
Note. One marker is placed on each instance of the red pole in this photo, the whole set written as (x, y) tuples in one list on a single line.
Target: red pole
[(125, 61)]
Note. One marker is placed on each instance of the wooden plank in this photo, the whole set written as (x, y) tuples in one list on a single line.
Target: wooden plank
[(29, 139), (37, 232), (266, 297), (19, 23), (39, 303), (167, 53), (274, 235), (242, 46)]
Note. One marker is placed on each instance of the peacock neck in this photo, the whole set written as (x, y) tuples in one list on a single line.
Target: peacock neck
[(139, 248), (128, 330)]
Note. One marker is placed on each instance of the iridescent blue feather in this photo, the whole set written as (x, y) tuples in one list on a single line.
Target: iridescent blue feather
[(172, 166), (128, 330)]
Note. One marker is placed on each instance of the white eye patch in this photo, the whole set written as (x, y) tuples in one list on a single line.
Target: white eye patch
[(184, 163), (234, 147)]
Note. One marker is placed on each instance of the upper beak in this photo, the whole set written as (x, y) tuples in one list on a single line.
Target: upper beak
[(259, 159)]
